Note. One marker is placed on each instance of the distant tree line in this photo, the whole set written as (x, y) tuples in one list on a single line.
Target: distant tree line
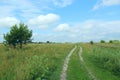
[(103, 41)]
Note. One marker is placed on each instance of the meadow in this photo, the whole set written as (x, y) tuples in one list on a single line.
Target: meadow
[(103, 59), (33, 62), (45, 61)]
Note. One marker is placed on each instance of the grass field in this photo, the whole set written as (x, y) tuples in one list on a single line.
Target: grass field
[(103, 59), (45, 62), (33, 62)]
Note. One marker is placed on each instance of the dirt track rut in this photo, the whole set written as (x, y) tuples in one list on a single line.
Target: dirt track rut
[(82, 60), (65, 66)]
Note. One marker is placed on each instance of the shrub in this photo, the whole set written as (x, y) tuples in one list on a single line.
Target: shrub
[(91, 42), (110, 41), (102, 41)]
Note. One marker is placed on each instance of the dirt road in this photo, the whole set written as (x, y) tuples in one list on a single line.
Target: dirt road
[(89, 71), (65, 66)]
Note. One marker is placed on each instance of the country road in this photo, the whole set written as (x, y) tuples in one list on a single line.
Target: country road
[(65, 66), (66, 62), (83, 62)]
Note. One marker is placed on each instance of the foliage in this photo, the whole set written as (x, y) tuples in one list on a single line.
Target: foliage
[(47, 41), (102, 41), (18, 35), (104, 60), (110, 41), (108, 58), (91, 42), (33, 62)]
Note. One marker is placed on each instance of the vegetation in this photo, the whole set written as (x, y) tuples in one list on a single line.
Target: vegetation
[(91, 42), (76, 69), (33, 62), (45, 61), (110, 41), (103, 61), (102, 41), (18, 35)]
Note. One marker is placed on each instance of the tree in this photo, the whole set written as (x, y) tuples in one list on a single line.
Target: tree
[(91, 42), (18, 35), (110, 41), (47, 41), (102, 41)]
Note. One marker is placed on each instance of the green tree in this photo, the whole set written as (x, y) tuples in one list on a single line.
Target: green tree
[(102, 41), (91, 42), (47, 41), (110, 41), (18, 35)]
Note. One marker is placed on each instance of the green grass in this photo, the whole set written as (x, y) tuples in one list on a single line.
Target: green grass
[(45, 61), (33, 62), (103, 61), (76, 70)]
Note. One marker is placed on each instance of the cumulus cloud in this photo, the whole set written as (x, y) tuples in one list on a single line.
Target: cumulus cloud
[(43, 21), (89, 30), (102, 3), (96, 29), (8, 21), (85, 31), (62, 27)]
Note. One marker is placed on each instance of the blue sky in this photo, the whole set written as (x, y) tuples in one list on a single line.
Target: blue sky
[(63, 20)]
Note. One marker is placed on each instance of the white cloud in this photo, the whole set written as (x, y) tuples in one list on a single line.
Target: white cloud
[(22, 8), (43, 21), (102, 3), (8, 21), (62, 27), (96, 29), (28, 8), (62, 3), (89, 30)]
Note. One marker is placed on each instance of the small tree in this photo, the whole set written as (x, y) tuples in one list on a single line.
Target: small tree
[(110, 41), (91, 42), (102, 41), (18, 35), (47, 41)]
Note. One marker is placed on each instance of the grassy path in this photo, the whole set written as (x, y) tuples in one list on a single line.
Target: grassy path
[(65, 66), (81, 66), (82, 60), (76, 70)]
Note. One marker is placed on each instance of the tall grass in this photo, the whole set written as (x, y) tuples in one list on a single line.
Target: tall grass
[(76, 69), (33, 62), (104, 58)]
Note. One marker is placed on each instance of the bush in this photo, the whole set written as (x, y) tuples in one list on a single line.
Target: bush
[(102, 41), (91, 42), (110, 41)]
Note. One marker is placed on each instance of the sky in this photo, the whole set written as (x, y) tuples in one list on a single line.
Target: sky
[(63, 20)]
